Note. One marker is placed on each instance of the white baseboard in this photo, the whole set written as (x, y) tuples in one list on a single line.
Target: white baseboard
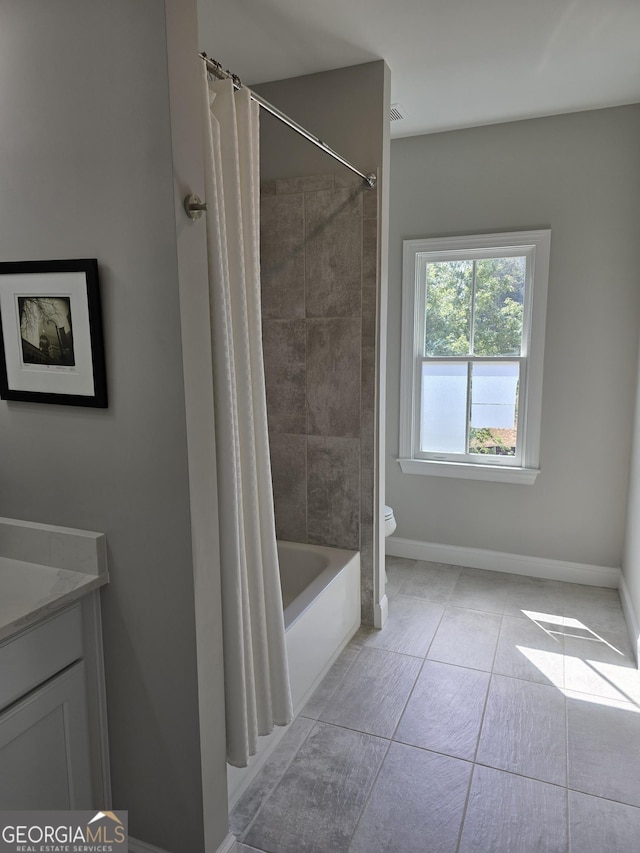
[(633, 623), (229, 845), (380, 612), (517, 564)]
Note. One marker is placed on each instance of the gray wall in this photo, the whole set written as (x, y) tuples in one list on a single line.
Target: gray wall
[(86, 171), (631, 555), (579, 175), (345, 108)]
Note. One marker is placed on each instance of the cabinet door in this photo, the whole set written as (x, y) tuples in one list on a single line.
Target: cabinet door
[(44, 747)]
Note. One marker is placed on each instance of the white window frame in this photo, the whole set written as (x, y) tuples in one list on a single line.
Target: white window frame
[(535, 246)]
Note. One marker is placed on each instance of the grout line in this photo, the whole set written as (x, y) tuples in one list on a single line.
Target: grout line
[(411, 692), (368, 797), (273, 787), (450, 604), (468, 761), (606, 799), (424, 660), (480, 728), (391, 739), (566, 734), (568, 814), (599, 699), (466, 806), (561, 786), (335, 689), (395, 652), (306, 351), (352, 729), (519, 775)]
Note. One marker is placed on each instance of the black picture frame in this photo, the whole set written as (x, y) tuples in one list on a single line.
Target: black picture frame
[(51, 342)]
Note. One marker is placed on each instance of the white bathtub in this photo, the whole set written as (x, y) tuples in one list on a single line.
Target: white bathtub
[(321, 599)]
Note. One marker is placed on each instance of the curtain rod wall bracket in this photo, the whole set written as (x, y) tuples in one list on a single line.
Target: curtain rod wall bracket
[(193, 207)]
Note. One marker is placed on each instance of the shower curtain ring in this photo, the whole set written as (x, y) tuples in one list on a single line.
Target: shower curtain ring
[(194, 206)]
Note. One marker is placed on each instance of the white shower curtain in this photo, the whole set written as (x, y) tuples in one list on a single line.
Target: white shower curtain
[(256, 673)]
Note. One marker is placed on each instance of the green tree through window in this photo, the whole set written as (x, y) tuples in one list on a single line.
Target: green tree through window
[(487, 294)]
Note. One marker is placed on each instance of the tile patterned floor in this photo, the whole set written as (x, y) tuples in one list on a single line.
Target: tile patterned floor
[(493, 714)]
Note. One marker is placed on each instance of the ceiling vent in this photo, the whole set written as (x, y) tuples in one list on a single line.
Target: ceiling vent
[(397, 112)]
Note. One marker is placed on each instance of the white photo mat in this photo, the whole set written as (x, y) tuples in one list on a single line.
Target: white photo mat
[(43, 378)]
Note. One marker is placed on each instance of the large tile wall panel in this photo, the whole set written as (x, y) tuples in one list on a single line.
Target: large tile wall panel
[(289, 472), (282, 255), (333, 491), (333, 277), (284, 346), (368, 390), (305, 184), (284, 341), (369, 312), (286, 397), (366, 567), (369, 252), (333, 383), (367, 436)]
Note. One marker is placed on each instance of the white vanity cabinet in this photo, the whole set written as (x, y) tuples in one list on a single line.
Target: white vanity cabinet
[(53, 733), (47, 759)]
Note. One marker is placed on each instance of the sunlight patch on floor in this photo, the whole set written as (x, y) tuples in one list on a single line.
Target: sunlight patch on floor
[(602, 682)]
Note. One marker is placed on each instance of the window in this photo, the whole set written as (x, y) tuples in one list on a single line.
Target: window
[(472, 353)]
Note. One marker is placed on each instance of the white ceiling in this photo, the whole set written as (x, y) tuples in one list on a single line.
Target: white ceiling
[(454, 63)]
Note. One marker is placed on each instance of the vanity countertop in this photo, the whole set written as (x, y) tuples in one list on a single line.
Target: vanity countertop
[(43, 568)]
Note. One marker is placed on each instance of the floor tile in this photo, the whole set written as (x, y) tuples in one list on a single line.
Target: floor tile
[(329, 684), (445, 710), (539, 595), (431, 581), (410, 628), (511, 814), (361, 635), (466, 638), (373, 693), (317, 803), (481, 590), (603, 748), (602, 665), (261, 787), (527, 650), (599, 609), (330, 779), (524, 730), (415, 821), (397, 569), (596, 825)]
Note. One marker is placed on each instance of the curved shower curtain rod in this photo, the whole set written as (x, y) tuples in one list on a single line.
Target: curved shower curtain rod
[(216, 69)]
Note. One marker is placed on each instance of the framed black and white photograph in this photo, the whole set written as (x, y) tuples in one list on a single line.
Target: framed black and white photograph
[(51, 346)]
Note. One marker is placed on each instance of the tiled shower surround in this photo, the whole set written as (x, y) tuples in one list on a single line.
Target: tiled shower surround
[(319, 290)]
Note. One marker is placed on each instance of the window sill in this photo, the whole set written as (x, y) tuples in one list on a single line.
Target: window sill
[(469, 471)]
